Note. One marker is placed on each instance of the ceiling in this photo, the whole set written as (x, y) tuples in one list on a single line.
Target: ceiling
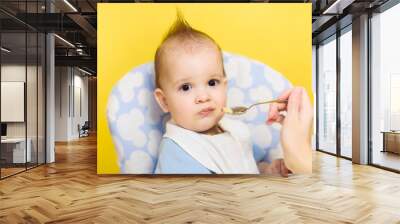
[(76, 22)]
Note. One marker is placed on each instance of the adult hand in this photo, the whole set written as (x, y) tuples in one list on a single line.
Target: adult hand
[(296, 118), (276, 167)]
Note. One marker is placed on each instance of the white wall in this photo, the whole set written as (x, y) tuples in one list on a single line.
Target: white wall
[(80, 105), (12, 73), (62, 80), (71, 93), (33, 126)]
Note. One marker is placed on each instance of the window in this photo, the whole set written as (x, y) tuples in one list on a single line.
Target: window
[(327, 96), (346, 93), (385, 88)]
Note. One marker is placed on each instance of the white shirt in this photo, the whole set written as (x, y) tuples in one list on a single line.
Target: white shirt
[(226, 153)]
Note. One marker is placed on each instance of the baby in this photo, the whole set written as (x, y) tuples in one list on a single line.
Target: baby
[(191, 85)]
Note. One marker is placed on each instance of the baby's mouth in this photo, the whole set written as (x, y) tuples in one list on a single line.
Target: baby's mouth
[(206, 111)]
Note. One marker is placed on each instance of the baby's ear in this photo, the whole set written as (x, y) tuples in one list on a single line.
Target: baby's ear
[(160, 98)]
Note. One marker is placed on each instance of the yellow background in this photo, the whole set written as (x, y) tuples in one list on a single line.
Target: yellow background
[(128, 34)]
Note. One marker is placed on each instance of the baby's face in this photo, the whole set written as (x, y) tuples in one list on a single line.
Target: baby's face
[(194, 87)]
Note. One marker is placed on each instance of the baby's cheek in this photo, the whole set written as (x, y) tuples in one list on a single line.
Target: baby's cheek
[(225, 99), (222, 98)]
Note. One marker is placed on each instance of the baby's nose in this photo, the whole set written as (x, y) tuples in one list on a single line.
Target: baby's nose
[(202, 97)]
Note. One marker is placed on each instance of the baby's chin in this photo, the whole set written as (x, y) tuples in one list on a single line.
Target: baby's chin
[(202, 125), (206, 124)]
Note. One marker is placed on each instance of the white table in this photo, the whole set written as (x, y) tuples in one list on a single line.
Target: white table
[(18, 145)]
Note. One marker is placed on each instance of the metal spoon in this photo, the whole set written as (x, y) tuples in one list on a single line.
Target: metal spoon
[(242, 109)]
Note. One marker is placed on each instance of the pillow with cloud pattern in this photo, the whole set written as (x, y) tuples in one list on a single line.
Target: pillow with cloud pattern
[(136, 122)]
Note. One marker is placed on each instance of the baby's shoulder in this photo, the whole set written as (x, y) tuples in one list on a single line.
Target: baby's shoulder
[(167, 146), (172, 159)]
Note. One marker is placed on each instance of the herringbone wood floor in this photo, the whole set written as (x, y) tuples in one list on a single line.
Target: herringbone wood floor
[(70, 191)]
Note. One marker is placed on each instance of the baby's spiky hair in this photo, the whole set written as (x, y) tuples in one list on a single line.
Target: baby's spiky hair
[(183, 32)]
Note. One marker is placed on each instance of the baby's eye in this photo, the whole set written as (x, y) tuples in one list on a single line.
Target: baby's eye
[(185, 87), (213, 82)]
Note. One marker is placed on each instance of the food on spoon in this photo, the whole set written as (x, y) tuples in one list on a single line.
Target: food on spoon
[(227, 110)]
